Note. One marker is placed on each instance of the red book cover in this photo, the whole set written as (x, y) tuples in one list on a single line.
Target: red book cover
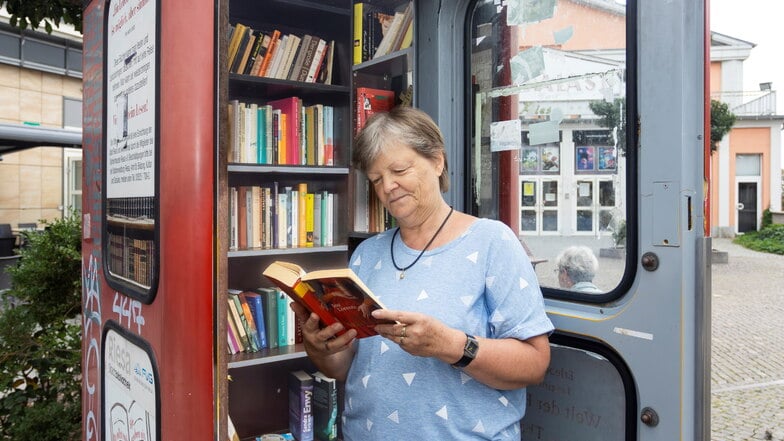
[(292, 108), (370, 101), (335, 295)]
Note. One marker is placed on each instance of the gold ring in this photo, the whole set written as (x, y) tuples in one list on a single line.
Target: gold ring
[(326, 346), (403, 332)]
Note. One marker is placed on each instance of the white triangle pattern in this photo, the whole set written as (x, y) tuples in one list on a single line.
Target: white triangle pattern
[(409, 377), (422, 295), (504, 400), (378, 265), (473, 256), (466, 299), (464, 378), (428, 262), (523, 283), (350, 404), (489, 281), (357, 261), (479, 428), (369, 424), (497, 317), (384, 347), (365, 380), (393, 416), (442, 413)]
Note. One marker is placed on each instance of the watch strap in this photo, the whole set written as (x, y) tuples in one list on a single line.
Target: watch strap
[(469, 352)]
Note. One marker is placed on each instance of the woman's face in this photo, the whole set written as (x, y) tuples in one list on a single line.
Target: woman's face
[(405, 181)]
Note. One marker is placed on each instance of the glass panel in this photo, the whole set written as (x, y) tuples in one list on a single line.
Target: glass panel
[(528, 194), (73, 60), (584, 220), (747, 165), (550, 193), (76, 176), (9, 46), (42, 53), (606, 193), (549, 220), (584, 193), (605, 220), (528, 220), (72, 113), (557, 71)]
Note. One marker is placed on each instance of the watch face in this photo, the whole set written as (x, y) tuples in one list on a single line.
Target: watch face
[(471, 347)]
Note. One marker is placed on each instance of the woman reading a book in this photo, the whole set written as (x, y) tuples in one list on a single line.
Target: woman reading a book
[(470, 331)]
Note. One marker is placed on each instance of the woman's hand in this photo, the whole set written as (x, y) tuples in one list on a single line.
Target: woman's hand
[(332, 353), (421, 335)]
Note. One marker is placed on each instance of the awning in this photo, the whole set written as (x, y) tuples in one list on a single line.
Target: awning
[(15, 137)]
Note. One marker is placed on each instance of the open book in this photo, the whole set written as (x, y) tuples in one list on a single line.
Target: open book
[(335, 295)]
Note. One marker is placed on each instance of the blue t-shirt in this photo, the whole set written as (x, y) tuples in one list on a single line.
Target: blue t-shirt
[(482, 283)]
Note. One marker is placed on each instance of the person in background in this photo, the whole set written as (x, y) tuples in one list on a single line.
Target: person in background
[(471, 330), (576, 267)]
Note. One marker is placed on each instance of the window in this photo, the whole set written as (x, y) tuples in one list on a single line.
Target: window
[(747, 165), (72, 113), (556, 71), (40, 51)]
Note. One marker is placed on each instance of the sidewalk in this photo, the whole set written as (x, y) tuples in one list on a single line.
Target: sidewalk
[(747, 378)]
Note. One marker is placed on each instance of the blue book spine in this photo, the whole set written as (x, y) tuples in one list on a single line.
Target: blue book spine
[(257, 309)]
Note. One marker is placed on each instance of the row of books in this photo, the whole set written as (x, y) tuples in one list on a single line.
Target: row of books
[(281, 217), (260, 319), (131, 258), (313, 406), (378, 32), (305, 58), (281, 132)]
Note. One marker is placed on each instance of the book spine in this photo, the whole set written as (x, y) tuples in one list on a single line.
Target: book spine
[(270, 305), (301, 405), (325, 408), (255, 304), (309, 222), (358, 44), (302, 218), (283, 305)]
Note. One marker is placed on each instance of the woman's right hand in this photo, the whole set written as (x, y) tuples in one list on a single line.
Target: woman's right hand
[(322, 342)]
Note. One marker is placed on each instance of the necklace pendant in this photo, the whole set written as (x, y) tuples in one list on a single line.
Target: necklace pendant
[(402, 275)]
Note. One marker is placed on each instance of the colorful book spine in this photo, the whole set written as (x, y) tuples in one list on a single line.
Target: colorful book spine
[(301, 405), (325, 407)]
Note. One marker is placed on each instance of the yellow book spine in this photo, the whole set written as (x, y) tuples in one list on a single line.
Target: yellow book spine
[(358, 18), (309, 219), (302, 191)]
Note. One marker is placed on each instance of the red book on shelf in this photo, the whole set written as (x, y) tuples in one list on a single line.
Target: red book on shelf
[(292, 108), (370, 101)]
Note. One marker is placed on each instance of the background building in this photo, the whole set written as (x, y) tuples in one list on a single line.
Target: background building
[(40, 105)]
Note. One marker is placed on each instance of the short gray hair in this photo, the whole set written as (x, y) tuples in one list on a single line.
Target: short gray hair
[(579, 263), (404, 124)]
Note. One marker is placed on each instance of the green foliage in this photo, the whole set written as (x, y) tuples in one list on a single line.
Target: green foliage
[(40, 338), (767, 218), (31, 13), (722, 121), (769, 239), (612, 116)]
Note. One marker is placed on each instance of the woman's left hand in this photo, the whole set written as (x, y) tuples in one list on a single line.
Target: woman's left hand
[(420, 334)]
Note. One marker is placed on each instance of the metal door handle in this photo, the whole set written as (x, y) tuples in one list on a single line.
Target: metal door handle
[(740, 206)]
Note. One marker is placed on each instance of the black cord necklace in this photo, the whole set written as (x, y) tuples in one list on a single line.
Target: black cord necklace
[(392, 245)]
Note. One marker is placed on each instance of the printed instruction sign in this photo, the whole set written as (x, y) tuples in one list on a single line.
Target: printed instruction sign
[(131, 88), (130, 388)]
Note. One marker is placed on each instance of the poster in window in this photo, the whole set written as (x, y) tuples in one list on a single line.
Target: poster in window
[(551, 159), (607, 159), (529, 159), (585, 158)]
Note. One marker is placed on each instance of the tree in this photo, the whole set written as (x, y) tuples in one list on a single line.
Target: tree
[(612, 116), (40, 338), (31, 13), (722, 121)]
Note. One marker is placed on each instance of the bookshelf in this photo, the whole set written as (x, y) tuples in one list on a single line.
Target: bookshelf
[(256, 392)]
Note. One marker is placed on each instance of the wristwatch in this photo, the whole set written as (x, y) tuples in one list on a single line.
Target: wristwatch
[(469, 352)]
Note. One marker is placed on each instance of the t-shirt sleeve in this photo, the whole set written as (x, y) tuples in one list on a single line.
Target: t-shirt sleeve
[(514, 298)]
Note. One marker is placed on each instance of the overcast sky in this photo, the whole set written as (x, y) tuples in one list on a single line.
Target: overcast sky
[(758, 22)]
